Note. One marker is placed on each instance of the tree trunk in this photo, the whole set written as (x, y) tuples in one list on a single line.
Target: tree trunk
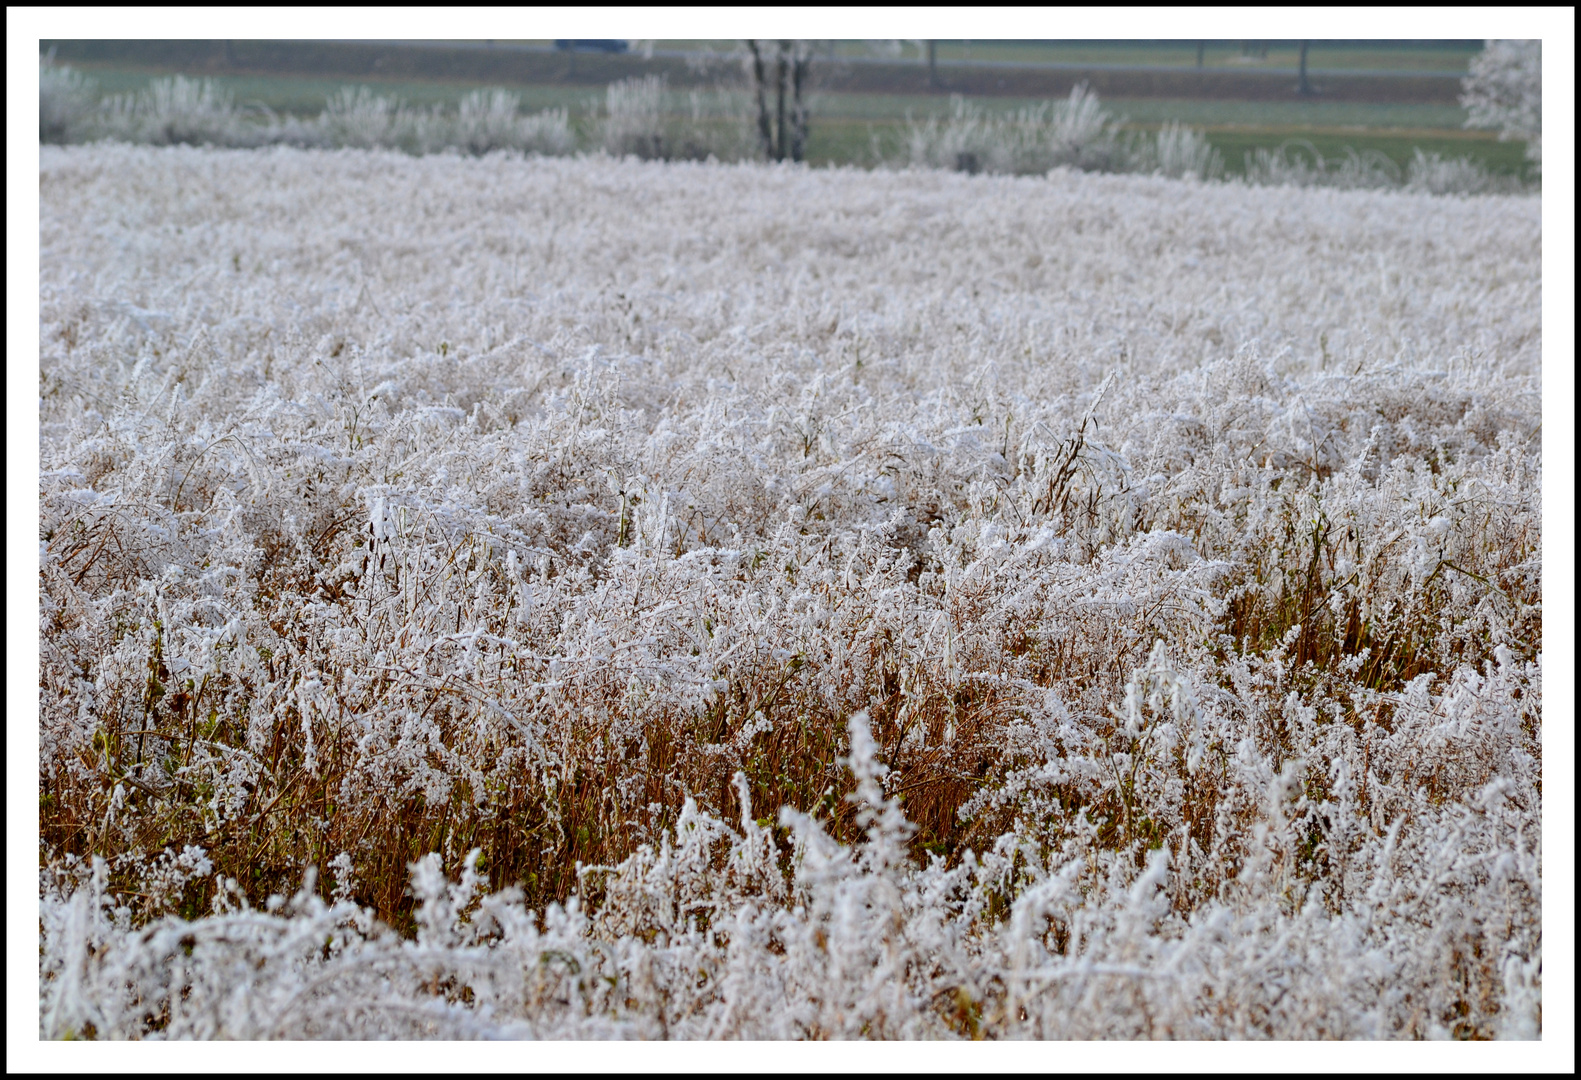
[(782, 147), (798, 107), (1202, 47), (783, 132), (765, 134), (933, 65), (1303, 87)]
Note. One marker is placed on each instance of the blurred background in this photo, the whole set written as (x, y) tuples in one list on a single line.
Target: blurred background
[(1255, 103)]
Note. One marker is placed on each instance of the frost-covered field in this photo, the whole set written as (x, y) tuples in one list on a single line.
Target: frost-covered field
[(1129, 588)]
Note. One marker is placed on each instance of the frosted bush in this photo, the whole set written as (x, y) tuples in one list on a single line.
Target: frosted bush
[(719, 126), (198, 112), (486, 120), (1298, 163), (1504, 90), (633, 117), (180, 110), (715, 124), (67, 103), (1076, 132), (1185, 152), (1366, 169), (357, 117), (739, 601), (492, 120), (1432, 174), (547, 131), (1079, 133), (962, 141)]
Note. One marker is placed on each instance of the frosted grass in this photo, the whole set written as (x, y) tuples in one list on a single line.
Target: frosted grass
[(1159, 562)]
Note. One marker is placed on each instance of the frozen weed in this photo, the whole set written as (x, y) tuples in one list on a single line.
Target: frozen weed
[(796, 604)]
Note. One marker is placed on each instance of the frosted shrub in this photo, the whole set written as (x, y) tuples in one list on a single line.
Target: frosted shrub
[(1504, 90), (68, 102), (492, 120), (716, 123), (1185, 152), (1298, 163), (719, 126), (547, 131), (181, 110), (488, 121), (1295, 163), (357, 117), (633, 117), (963, 141), (841, 605), (1432, 174), (1075, 132), (1366, 169)]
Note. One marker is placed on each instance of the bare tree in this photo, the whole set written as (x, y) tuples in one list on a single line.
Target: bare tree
[(779, 101), (765, 131), (782, 134)]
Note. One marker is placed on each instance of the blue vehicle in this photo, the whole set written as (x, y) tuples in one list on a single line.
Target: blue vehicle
[(592, 45)]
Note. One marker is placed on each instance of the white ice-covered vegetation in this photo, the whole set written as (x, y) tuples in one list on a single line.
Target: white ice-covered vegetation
[(637, 117), (576, 597)]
